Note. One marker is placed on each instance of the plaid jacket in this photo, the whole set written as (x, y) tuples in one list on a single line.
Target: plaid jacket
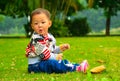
[(40, 46)]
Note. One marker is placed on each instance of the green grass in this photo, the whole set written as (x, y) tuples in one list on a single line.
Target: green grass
[(13, 63)]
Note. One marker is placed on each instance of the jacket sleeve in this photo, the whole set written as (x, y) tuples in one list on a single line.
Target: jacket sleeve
[(57, 50), (30, 51), (38, 50)]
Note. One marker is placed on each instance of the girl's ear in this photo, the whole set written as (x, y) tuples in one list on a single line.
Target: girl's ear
[(50, 23)]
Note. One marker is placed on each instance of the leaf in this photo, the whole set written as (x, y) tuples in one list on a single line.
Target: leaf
[(100, 61), (98, 69)]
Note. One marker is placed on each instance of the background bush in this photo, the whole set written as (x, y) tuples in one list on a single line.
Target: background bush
[(58, 29), (78, 27)]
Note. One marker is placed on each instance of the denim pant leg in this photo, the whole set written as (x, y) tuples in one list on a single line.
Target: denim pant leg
[(54, 66), (33, 68)]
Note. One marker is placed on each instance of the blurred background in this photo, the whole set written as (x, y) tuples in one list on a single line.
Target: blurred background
[(69, 17)]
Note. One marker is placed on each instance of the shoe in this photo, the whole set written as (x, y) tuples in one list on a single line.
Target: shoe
[(83, 66)]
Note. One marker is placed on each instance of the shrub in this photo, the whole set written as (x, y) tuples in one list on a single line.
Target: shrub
[(58, 29), (78, 27)]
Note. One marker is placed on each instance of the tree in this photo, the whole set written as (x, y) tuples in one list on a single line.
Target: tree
[(22, 8), (59, 9), (110, 9)]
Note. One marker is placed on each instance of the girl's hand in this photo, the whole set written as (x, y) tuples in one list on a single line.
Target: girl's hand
[(64, 47), (59, 56)]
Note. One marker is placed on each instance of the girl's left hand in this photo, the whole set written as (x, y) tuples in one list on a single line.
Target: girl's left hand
[(64, 47)]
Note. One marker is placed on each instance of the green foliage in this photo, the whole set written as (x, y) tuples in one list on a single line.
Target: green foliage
[(24, 7), (111, 7), (96, 19), (32, 4), (58, 30), (13, 7), (10, 25), (13, 63), (2, 17), (78, 27), (113, 4)]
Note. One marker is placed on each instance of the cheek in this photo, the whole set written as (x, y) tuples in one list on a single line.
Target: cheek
[(46, 28), (32, 26)]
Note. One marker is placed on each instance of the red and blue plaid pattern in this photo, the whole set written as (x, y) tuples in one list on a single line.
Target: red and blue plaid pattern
[(41, 47)]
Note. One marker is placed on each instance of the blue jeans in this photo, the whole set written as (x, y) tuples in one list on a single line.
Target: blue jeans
[(52, 66)]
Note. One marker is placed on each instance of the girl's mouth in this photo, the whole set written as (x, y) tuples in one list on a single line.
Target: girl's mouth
[(40, 30)]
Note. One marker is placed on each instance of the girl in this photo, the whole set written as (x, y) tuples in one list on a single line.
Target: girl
[(42, 52)]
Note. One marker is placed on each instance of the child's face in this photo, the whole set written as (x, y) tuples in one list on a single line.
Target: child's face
[(40, 24)]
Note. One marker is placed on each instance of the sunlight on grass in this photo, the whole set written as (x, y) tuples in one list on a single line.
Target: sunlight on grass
[(13, 63)]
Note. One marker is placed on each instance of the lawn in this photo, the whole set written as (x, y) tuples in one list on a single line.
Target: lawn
[(13, 63)]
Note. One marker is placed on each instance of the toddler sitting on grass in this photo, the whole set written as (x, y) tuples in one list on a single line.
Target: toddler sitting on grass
[(42, 53)]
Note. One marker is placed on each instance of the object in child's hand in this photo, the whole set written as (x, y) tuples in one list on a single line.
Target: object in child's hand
[(39, 48), (98, 69), (64, 47)]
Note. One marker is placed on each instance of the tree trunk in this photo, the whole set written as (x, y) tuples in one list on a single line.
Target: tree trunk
[(108, 26), (108, 21), (42, 3)]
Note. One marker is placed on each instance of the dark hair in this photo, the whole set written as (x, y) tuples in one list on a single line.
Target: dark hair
[(39, 11)]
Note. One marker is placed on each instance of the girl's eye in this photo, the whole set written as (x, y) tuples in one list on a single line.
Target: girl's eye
[(35, 23), (43, 22)]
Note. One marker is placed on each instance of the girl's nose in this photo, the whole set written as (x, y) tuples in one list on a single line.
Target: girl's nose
[(40, 24)]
